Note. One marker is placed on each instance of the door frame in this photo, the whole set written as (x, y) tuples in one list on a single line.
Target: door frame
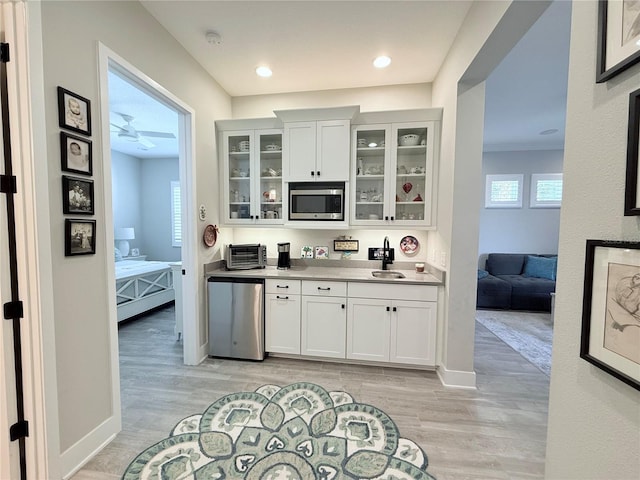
[(109, 60)]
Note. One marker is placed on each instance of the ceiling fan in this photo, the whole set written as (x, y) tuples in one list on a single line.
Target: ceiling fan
[(129, 132)]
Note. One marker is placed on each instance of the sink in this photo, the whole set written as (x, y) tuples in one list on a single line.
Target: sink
[(387, 274)]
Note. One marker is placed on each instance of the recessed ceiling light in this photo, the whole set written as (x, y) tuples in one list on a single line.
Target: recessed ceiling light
[(264, 71), (551, 131), (382, 62)]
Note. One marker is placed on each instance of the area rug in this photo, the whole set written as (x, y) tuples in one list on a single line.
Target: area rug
[(528, 333), (297, 432)]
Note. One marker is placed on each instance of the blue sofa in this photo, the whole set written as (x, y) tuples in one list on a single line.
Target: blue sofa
[(517, 281)]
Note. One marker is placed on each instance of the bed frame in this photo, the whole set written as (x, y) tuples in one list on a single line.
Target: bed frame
[(136, 294)]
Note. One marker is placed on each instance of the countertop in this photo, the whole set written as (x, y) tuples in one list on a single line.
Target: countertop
[(332, 273)]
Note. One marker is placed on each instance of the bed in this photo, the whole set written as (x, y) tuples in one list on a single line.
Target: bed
[(142, 286)]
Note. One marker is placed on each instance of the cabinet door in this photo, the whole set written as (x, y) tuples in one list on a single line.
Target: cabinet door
[(324, 324), (332, 158), (237, 162), (413, 333), (370, 174), (268, 176), (299, 151), (282, 323), (368, 323), (412, 157)]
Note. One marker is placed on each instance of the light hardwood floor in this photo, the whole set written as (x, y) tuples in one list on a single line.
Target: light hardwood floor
[(496, 432)]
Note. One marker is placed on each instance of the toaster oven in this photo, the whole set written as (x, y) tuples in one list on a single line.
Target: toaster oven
[(246, 256)]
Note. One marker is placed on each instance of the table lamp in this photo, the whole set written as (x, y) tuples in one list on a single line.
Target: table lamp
[(123, 235)]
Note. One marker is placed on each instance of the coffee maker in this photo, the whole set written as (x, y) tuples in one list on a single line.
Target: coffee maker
[(284, 259)]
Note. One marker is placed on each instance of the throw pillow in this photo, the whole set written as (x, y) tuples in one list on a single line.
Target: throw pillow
[(540, 267), (482, 274), (118, 255)]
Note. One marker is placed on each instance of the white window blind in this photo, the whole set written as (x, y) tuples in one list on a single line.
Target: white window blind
[(546, 190), (176, 215), (503, 191)]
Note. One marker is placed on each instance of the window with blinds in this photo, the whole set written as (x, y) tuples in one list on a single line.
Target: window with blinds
[(503, 191), (176, 215), (546, 190)]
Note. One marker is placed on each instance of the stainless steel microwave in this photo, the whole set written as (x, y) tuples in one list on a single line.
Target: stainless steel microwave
[(316, 201)]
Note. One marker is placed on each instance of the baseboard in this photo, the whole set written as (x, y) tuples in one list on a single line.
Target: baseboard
[(76, 456), (456, 378)]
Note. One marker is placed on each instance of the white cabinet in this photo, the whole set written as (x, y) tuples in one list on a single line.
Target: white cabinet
[(393, 173), (324, 319), (252, 186), (282, 316), (383, 325), (316, 150)]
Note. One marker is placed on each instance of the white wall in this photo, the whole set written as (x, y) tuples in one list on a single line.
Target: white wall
[(126, 178), (70, 33), (520, 230), (594, 419), (370, 99), (155, 201)]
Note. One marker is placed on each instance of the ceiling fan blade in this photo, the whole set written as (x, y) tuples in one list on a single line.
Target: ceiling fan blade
[(146, 143), (117, 126), (156, 134)]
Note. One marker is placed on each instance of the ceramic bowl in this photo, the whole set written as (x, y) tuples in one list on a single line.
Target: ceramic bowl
[(272, 148), (409, 140)]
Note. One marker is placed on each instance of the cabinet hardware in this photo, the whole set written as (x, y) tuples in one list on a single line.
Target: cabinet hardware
[(318, 173), (326, 289), (312, 173), (395, 309), (386, 218), (282, 286), (388, 309), (343, 306), (392, 219), (282, 298)]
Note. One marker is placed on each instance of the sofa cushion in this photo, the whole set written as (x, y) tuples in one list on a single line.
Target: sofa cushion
[(505, 263), (493, 293), (540, 267)]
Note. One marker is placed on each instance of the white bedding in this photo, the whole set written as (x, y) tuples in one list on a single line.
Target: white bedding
[(129, 268)]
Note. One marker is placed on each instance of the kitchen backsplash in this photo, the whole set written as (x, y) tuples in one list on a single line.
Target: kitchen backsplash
[(324, 238)]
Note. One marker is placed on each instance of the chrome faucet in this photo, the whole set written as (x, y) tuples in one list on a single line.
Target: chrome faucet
[(386, 254)]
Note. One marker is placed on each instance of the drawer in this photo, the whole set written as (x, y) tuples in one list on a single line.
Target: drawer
[(326, 289), (424, 293), (292, 287)]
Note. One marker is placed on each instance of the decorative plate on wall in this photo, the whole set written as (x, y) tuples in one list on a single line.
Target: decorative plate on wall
[(210, 235), (409, 245)]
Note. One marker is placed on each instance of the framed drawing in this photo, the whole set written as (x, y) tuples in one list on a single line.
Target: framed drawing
[(611, 309), (77, 195), (632, 188), (76, 154), (74, 112), (79, 237), (618, 37)]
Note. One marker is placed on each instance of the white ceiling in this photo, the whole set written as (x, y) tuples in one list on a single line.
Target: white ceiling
[(322, 44)]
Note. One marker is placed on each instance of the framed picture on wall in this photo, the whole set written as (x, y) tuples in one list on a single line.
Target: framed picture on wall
[(631, 200), (618, 37), (611, 309), (79, 237), (76, 154), (77, 195), (74, 112)]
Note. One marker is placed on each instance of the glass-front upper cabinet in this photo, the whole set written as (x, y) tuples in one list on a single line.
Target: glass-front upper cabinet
[(393, 172), (413, 161), (370, 173), (253, 177)]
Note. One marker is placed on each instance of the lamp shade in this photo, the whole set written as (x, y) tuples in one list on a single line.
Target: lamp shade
[(126, 233)]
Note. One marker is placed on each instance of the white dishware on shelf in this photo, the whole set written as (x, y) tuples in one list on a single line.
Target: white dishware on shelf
[(408, 140)]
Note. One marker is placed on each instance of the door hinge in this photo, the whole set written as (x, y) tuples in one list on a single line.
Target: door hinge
[(8, 184), (4, 52), (13, 310), (19, 430)]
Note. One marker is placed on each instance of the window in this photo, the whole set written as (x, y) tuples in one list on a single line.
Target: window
[(503, 191), (546, 190), (176, 215)]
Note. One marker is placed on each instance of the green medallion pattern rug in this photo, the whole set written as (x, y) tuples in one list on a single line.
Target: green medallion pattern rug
[(297, 432)]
